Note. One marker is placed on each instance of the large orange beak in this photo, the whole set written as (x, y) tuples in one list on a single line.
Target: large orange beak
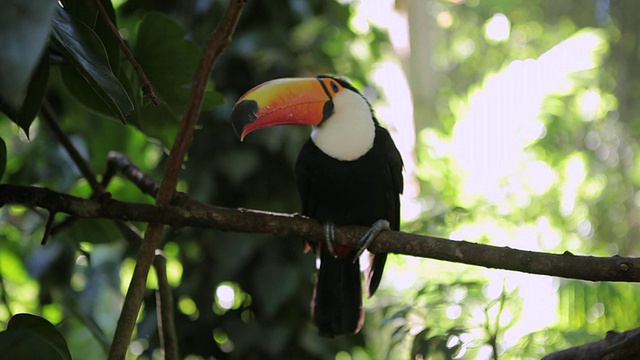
[(298, 101)]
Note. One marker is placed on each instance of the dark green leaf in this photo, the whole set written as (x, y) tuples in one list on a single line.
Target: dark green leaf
[(169, 60), (24, 115), (82, 91), (87, 229), (159, 122), (24, 27), (32, 337), (87, 12), (86, 53)]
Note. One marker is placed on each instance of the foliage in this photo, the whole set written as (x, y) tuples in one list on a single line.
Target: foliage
[(573, 186), (32, 337)]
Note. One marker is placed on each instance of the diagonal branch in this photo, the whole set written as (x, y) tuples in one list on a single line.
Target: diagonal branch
[(48, 115), (567, 265), (216, 43), (147, 88)]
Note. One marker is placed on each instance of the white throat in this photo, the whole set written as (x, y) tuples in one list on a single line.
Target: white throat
[(349, 132)]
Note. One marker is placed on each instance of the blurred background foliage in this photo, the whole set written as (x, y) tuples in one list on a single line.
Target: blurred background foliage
[(522, 132)]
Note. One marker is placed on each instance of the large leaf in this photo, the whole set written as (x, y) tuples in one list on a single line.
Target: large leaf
[(32, 337), (24, 115), (87, 12), (169, 59), (83, 49), (24, 27)]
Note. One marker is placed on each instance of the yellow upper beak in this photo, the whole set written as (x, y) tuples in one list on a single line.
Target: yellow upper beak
[(298, 101)]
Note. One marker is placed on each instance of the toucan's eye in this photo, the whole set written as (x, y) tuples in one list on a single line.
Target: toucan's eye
[(334, 87)]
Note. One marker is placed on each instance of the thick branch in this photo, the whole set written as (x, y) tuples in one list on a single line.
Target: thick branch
[(616, 346), (194, 214)]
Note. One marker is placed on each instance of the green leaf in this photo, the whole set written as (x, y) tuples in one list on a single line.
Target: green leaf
[(169, 60), (86, 54), (24, 28), (24, 115), (87, 12), (32, 337), (159, 122)]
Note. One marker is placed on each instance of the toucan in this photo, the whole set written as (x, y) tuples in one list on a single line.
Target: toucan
[(348, 173)]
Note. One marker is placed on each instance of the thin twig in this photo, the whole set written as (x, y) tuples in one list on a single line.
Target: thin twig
[(567, 265), (164, 309), (216, 43), (70, 302), (129, 232), (49, 118), (147, 88), (118, 162)]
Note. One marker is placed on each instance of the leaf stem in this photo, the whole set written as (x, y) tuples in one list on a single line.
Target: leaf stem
[(147, 88)]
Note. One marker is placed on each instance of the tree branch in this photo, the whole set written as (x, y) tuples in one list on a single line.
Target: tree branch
[(164, 310), (129, 232), (49, 118), (216, 43), (194, 214), (624, 345)]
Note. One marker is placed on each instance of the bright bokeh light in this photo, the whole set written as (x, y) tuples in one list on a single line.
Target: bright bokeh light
[(383, 14), (187, 306), (225, 295), (491, 154), (490, 146), (497, 28), (588, 104), (395, 109), (444, 19), (489, 142)]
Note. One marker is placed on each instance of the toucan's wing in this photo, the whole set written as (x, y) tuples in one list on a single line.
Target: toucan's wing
[(394, 185), (304, 177)]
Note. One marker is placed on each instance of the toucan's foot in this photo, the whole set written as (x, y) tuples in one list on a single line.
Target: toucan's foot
[(375, 230), (330, 237)]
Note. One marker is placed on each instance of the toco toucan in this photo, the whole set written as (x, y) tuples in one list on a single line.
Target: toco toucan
[(348, 173)]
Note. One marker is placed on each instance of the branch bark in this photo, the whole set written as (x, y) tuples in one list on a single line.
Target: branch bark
[(190, 213), (614, 346), (165, 309)]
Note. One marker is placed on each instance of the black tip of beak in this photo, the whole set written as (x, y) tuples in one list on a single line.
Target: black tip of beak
[(244, 113)]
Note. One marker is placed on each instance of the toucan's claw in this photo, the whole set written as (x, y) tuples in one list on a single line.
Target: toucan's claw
[(330, 237), (373, 232)]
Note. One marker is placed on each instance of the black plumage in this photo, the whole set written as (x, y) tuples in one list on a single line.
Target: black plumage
[(349, 173), (357, 192)]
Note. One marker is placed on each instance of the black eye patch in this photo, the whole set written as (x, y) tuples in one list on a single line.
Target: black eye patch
[(327, 110)]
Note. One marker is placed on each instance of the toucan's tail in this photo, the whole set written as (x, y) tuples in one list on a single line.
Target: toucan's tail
[(336, 307)]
